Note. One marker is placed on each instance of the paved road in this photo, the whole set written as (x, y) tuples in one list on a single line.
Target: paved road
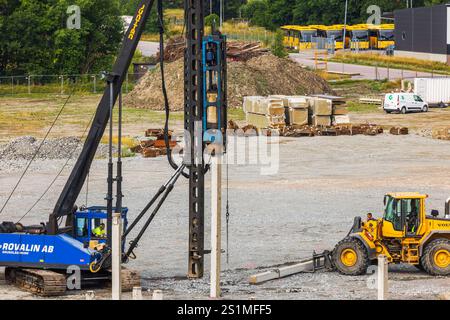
[(148, 48), (365, 72)]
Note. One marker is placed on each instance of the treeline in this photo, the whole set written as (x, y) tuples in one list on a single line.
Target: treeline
[(274, 13), (34, 38)]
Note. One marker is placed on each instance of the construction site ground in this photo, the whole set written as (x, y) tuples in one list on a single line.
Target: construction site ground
[(321, 185)]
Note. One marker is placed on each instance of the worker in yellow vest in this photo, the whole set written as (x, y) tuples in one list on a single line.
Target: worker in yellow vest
[(100, 231)]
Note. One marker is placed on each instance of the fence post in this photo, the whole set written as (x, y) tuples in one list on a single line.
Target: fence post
[(29, 84), (388, 75), (95, 83), (62, 84), (12, 85), (126, 86)]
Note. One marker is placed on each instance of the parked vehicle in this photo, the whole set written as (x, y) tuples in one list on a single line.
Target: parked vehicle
[(436, 91), (404, 102)]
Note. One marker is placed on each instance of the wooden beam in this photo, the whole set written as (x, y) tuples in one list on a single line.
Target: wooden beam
[(305, 266)]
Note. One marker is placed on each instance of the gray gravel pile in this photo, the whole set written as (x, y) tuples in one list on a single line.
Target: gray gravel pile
[(24, 148)]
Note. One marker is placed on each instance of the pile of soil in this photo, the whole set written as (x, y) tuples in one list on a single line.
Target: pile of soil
[(259, 76)]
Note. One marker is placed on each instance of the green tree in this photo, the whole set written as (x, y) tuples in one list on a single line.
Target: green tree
[(212, 19), (34, 38), (257, 12), (278, 48)]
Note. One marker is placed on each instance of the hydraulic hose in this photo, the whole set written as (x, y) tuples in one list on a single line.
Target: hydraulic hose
[(164, 89)]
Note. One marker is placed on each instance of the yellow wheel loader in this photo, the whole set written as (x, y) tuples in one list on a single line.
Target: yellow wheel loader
[(405, 234)]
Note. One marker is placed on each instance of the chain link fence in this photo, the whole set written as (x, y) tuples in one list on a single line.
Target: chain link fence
[(252, 36), (60, 84)]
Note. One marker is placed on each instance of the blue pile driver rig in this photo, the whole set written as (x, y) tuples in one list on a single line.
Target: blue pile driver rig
[(36, 258)]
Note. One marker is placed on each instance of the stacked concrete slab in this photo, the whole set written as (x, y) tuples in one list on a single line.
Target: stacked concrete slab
[(265, 112), (277, 111)]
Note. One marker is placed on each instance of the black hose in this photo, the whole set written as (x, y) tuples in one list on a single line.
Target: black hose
[(164, 89)]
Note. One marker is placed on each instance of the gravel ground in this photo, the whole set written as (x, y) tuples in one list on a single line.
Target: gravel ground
[(322, 183), (25, 148)]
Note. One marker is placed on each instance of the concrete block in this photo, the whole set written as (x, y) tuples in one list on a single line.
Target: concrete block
[(298, 116), (249, 103), (340, 110), (298, 103), (322, 107), (269, 106), (337, 120), (321, 120), (264, 121)]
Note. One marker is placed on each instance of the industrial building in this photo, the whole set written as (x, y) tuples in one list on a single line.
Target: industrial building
[(423, 33)]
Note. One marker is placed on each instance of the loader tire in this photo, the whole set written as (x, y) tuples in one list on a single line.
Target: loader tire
[(350, 257), (436, 257), (419, 266)]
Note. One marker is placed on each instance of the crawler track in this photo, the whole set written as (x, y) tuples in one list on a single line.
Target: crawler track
[(40, 282), (47, 283)]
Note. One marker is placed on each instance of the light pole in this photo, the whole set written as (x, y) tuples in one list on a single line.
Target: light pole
[(222, 9), (345, 31)]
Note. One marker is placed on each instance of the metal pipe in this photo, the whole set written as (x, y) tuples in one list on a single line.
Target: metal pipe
[(109, 196), (119, 177), (447, 209)]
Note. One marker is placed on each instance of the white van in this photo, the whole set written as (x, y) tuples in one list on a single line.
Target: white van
[(404, 102)]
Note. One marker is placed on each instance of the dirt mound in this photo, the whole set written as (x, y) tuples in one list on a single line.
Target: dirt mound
[(263, 75)]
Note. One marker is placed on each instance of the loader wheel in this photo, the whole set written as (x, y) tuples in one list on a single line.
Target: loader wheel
[(350, 257), (436, 257)]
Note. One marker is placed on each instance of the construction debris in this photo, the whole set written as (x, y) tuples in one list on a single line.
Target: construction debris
[(260, 76), (441, 133), (236, 50), (399, 131), (153, 145), (338, 130)]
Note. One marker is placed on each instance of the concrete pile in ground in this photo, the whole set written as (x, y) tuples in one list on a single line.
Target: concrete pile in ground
[(260, 76)]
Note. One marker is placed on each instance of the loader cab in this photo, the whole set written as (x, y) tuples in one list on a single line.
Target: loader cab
[(403, 214), (86, 220)]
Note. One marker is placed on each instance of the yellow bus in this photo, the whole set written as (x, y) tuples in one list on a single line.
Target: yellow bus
[(381, 36), (298, 37), (359, 37), (336, 32)]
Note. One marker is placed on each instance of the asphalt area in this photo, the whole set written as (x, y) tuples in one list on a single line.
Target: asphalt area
[(319, 186)]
